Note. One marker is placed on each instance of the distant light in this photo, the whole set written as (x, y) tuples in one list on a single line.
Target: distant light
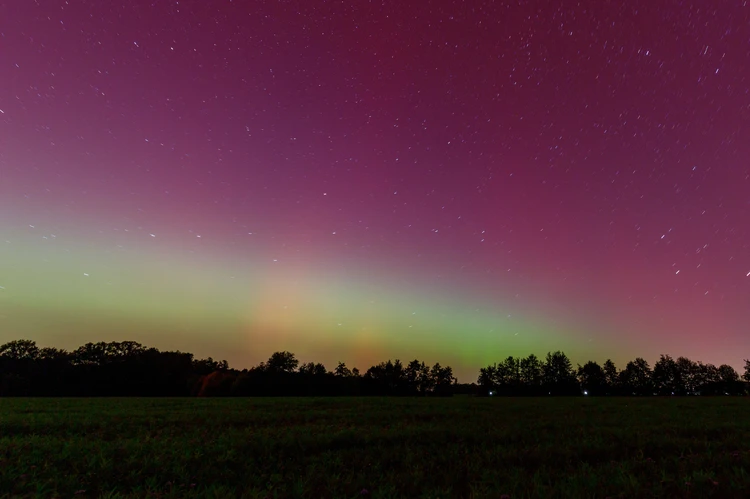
[(585, 392), (491, 393)]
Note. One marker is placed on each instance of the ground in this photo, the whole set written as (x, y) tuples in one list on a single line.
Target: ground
[(376, 447)]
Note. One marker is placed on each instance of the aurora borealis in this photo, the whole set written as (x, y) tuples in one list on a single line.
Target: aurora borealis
[(358, 181)]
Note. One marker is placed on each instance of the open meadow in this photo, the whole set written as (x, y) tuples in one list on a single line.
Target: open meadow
[(375, 447)]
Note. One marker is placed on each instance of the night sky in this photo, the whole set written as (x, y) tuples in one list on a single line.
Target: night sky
[(357, 181)]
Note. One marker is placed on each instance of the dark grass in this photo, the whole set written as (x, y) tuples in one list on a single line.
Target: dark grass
[(375, 447)]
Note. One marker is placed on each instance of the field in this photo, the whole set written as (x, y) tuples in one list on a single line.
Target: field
[(375, 448)]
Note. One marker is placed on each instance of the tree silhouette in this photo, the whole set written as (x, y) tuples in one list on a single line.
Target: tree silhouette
[(666, 376), (508, 374), (342, 370), (128, 368), (418, 377), (411, 375), (53, 354), (442, 380), (610, 376), (282, 362), (727, 374), (592, 378), (531, 373), (387, 377), (23, 350), (636, 378), (90, 354), (486, 378), (705, 374), (558, 375), (689, 373), (209, 365), (313, 369)]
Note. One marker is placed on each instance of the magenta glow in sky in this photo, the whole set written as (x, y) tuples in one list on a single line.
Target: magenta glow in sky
[(355, 181)]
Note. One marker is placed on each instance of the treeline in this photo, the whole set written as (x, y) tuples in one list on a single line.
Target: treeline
[(555, 375), (129, 369)]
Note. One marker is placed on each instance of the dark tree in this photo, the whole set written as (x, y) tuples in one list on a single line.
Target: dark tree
[(727, 374), (23, 350), (504, 373), (559, 377), (418, 377), (611, 376), (666, 377), (90, 354), (689, 374), (412, 375), (387, 377), (53, 354), (442, 380), (282, 362), (511, 372), (486, 379), (532, 374), (706, 374), (592, 378), (342, 370), (746, 375), (313, 369), (209, 365), (636, 378), (723, 380)]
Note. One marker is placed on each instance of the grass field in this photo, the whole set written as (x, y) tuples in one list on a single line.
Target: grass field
[(375, 448)]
